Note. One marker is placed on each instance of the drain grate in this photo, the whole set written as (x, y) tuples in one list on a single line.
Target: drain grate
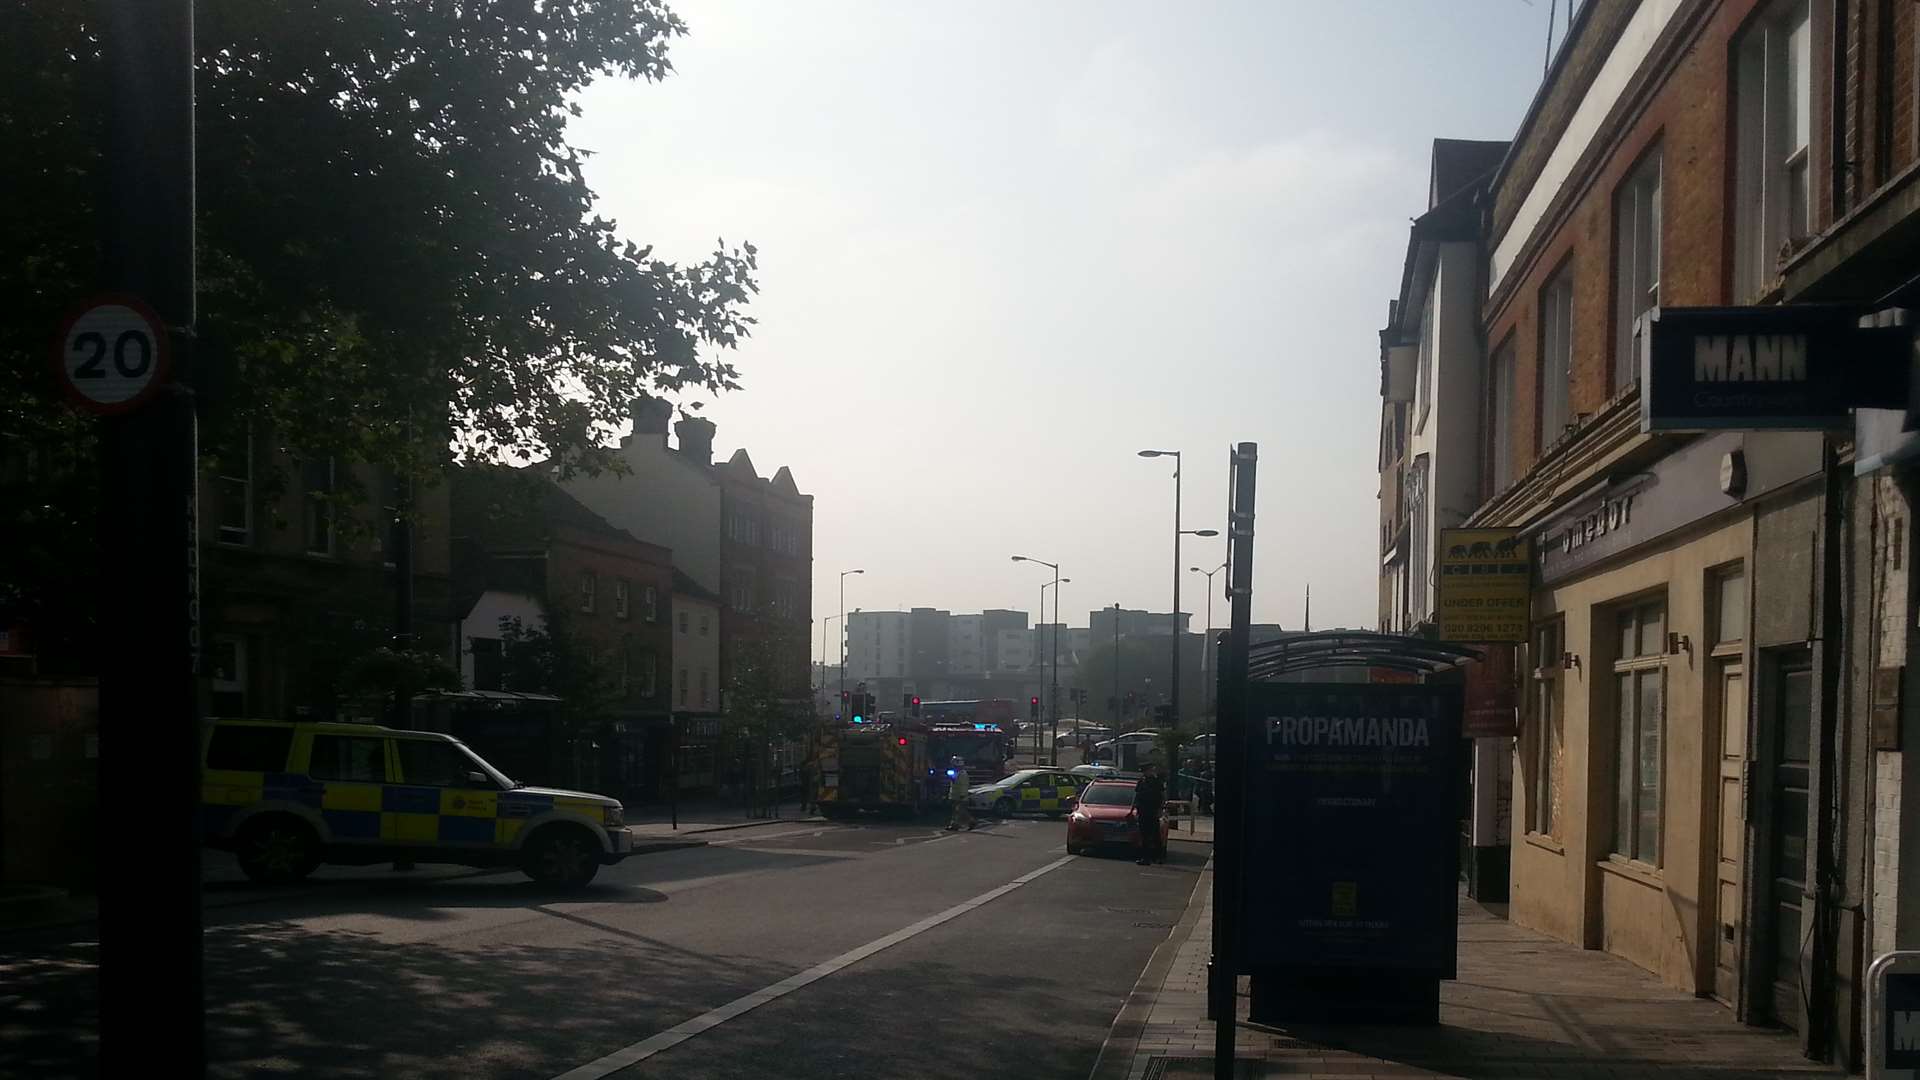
[(1198, 1068)]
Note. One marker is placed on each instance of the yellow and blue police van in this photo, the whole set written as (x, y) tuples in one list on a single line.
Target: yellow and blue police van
[(1030, 791), (285, 797)]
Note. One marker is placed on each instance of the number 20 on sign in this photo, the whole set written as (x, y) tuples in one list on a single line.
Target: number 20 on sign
[(112, 355)]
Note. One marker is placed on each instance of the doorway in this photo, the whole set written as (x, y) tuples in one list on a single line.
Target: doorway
[(1789, 725), (1731, 816)]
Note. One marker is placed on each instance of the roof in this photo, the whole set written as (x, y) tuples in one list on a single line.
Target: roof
[(1459, 162), (505, 508), (686, 586)]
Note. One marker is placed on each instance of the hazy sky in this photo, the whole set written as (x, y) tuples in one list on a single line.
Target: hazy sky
[(1006, 245)]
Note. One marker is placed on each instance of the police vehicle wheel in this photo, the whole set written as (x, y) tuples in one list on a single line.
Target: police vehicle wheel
[(562, 856), (1003, 808), (277, 849)]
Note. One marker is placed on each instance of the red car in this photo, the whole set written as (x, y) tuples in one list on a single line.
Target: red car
[(1104, 818)]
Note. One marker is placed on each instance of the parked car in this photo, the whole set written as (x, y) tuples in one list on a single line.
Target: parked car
[(1104, 818), (285, 797)]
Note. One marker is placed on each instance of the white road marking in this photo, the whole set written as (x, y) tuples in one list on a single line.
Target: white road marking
[(758, 837), (687, 1029)]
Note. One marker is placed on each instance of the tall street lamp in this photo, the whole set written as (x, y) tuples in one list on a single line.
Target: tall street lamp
[(1053, 702), (825, 622), (843, 629), (1053, 691), (1207, 657), (1173, 714)]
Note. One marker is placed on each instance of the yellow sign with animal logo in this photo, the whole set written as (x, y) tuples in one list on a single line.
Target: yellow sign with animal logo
[(1485, 585)]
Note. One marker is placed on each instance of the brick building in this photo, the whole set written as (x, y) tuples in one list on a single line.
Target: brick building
[(610, 594), (1716, 690)]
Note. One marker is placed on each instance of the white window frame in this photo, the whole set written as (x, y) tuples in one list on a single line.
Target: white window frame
[(1502, 377), (1556, 356), (649, 603), (1636, 286), (621, 592), (1773, 145), (1549, 717), (589, 591), (229, 479), (1644, 664)]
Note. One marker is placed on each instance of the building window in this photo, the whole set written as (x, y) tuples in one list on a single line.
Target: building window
[(235, 483), (649, 674), (650, 604), (742, 596), (1730, 609), (706, 691), (589, 591), (683, 621), (1639, 687), (626, 665), (703, 624), (1773, 132), (486, 663), (1556, 356), (1424, 389), (316, 479), (227, 664), (1419, 536), (1500, 425), (681, 686), (1550, 754), (620, 593), (1636, 215)]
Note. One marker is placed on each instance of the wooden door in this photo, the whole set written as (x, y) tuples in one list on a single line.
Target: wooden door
[(1729, 864)]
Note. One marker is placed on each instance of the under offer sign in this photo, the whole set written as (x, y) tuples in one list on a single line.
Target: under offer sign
[(1784, 367), (1484, 585)]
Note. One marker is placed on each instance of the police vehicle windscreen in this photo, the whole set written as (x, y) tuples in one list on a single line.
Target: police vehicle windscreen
[(1107, 795)]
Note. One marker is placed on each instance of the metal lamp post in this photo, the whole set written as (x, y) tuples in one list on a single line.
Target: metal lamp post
[(843, 628), (1208, 656), (1173, 714), (1053, 691)]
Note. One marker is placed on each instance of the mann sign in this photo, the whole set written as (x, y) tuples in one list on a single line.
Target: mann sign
[(1760, 368), (1352, 852)]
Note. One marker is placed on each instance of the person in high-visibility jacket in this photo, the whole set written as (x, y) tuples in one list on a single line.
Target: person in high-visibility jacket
[(957, 785)]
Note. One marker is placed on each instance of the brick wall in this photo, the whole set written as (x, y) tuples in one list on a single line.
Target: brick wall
[(575, 552)]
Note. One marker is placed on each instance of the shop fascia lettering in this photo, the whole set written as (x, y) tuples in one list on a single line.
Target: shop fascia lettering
[(1612, 514), (1384, 731)]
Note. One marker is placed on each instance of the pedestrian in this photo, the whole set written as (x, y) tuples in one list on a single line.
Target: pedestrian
[(1149, 799), (957, 785)]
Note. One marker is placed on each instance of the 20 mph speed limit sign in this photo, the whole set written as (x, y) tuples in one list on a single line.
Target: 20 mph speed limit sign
[(112, 354)]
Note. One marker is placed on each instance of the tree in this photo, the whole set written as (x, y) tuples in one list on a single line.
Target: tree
[(399, 256), (378, 675), (766, 710), (550, 659)]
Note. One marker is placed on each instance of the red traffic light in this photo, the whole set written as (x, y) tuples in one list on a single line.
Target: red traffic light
[(1033, 700), (916, 701), (903, 740)]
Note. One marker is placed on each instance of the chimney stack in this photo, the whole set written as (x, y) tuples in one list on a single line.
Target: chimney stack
[(696, 438), (650, 415)]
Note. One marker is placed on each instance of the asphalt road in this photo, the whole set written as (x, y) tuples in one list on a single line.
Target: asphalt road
[(996, 954)]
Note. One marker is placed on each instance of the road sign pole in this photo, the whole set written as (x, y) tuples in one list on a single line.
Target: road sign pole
[(1230, 730), (149, 645)]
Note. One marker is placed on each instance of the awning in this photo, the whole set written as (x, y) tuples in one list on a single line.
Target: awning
[(1354, 648)]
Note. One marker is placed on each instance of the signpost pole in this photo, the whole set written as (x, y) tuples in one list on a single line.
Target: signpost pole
[(149, 570), (1230, 729)]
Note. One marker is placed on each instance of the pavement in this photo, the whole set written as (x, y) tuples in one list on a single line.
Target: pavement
[(1524, 1006), (801, 949)]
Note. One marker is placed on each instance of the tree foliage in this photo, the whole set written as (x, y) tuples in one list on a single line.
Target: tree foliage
[(399, 257)]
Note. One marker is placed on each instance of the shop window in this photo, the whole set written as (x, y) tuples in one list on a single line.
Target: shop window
[(1636, 252), (1639, 688), (1773, 126), (1549, 747)]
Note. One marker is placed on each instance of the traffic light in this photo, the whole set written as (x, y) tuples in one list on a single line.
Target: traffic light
[(906, 702), (916, 705), (1033, 707)]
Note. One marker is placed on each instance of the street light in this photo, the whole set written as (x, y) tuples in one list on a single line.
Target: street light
[(1206, 657), (1173, 715), (1053, 691), (843, 629)]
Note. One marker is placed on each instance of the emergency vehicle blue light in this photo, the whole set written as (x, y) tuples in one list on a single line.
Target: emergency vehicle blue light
[(950, 774), (859, 719)]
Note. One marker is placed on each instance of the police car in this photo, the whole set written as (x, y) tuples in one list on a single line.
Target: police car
[(1032, 791), (286, 797)]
